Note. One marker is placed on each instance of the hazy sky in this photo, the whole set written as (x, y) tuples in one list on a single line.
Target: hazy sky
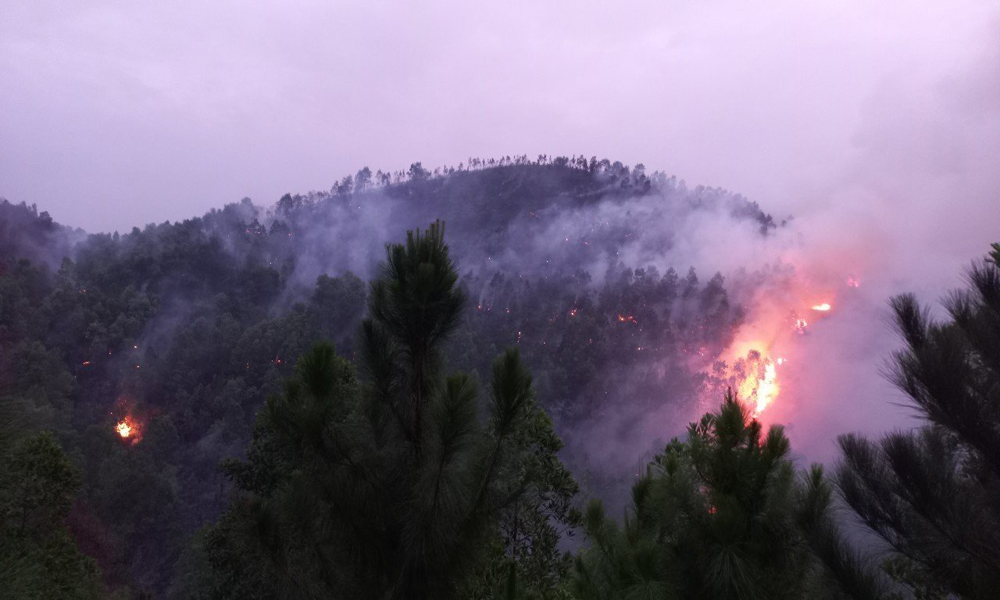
[(121, 113)]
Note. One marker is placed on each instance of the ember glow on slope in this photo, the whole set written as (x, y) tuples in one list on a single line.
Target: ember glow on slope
[(127, 424), (771, 336), (810, 352), (762, 356)]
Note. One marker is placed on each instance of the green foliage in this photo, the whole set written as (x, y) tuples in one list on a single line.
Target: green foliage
[(174, 325), (38, 559), (934, 494), (844, 567), (414, 305), (393, 485), (189, 326), (719, 516), (917, 581)]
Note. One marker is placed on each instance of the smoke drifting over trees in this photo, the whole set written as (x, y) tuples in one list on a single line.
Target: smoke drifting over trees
[(184, 328), (150, 355), (182, 402)]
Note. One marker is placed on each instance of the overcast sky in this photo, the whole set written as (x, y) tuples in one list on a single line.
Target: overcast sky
[(114, 114)]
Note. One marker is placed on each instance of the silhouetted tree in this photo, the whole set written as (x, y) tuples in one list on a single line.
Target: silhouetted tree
[(934, 494), (38, 559), (363, 179), (391, 485), (417, 172), (722, 516)]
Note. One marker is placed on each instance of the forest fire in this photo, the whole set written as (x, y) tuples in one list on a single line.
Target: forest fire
[(129, 429), (752, 364), (124, 428), (755, 379)]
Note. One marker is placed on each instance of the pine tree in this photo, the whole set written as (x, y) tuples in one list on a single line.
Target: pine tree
[(38, 558), (722, 516), (934, 494), (398, 482)]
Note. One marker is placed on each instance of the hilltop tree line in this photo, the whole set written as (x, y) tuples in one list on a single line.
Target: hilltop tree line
[(616, 172), (413, 452), (186, 328)]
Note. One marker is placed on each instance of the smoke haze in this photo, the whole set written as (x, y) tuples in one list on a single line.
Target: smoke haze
[(876, 127)]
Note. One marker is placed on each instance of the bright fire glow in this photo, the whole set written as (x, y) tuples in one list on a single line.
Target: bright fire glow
[(752, 365), (768, 388), (124, 428), (782, 317), (129, 428), (757, 380)]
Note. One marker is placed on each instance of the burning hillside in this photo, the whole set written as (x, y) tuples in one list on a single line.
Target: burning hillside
[(599, 273), (778, 323)]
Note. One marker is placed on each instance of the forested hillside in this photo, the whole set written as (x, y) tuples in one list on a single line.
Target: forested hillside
[(149, 353), (291, 402)]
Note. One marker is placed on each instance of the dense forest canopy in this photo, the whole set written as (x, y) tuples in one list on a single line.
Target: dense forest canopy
[(178, 331), (287, 402)]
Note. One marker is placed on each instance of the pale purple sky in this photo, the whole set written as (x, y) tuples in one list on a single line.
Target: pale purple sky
[(114, 114)]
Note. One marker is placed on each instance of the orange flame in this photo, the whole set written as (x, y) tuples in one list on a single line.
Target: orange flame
[(781, 316), (129, 429), (124, 428), (758, 386)]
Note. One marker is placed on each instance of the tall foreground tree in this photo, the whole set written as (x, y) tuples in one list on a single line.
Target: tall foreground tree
[(723, 515), (934, 494), (38, 558), (400, 482)]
